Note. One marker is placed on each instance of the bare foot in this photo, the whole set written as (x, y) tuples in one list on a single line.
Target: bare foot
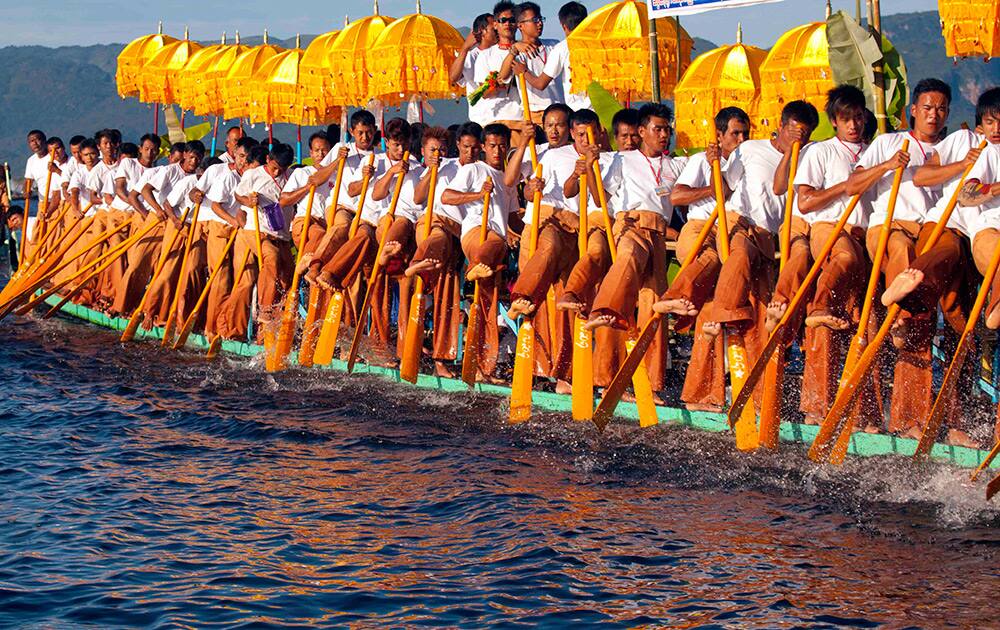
[(391, 249), (993, 319), (914, 433), (597, 321), (711, 329), (420, 266), (311, 276), (898, 331), (902, 285), (873, 429), (563, 387), (478, 272), (303, 264), (812, 420), (488, 378), (569, 302), (677, 306), (701, 407), (957, 437), (825, 319), (325, 281), (440, 369), (658, 400), (520, 307), (775, 311)]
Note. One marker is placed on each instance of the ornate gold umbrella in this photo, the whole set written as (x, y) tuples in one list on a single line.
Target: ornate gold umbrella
[(211, 98), (971, 28), (348, 58), (191, 87), (724, 77), (315, 95), (276, 88), (412, 57), (797, 68), (134, 56), (611, 46), (241, 79), (158, 77)]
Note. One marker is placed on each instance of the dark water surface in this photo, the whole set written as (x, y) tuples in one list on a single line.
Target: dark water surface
[(146, 488)]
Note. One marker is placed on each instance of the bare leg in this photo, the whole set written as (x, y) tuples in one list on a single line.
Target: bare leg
[(902, 285), (677, 306), (391, 249)]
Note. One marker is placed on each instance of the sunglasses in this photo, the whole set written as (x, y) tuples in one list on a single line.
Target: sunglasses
[(505, 20), (537, 20)]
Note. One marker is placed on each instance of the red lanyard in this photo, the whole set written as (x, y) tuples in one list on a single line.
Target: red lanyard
[(920, 146), (274, 180), (658, 174), (854, 156)]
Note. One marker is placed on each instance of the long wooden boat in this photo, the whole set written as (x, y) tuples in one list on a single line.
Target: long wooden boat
[(862, 444)]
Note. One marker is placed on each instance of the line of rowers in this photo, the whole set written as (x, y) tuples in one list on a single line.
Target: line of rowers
[(644, 185)]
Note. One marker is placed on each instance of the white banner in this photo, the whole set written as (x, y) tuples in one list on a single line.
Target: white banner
[(663, 8)]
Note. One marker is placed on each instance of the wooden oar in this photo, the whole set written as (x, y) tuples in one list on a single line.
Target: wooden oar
[(50, 239), (317, 297), (327, 342), (52, 256), (24, 224), (470, 354), (993, 487), (168, 327), (413, 340), (133, 323), (189, 322), (216, 342), (939, 409), (986, 462), (583, 342), (40, 218), (352, 356), (290, 314), (522, 380)]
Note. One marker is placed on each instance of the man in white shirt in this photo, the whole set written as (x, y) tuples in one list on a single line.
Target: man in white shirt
[(233, 136), (467, 190), (911, 392), (296, 194), (99, 179), (557, 64), (36, 167), (462, 72), (83, 205), (531, 54), (503, 103), (639, 183)]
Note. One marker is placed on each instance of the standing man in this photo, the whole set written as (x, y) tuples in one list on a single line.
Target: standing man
[(531, 55), (462, 73), (557, 66), (503, 103)]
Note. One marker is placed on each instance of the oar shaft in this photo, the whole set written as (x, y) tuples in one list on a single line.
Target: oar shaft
[(786, 224)]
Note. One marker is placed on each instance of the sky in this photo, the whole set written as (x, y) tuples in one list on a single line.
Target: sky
[(82, 22)]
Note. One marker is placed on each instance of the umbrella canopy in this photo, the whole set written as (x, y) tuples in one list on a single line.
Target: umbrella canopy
[(725, 77), (134, 56), (611, 46), (242, 80), (211, 99), (412, 57), (277, 83), (971, 28), (191, 86), (158, 77), (797, 68), (315, 95), (348, 58)]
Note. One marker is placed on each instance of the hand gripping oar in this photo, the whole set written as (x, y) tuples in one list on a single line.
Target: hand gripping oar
[(861, 352), (317, 297), (133, 323), (413, 340), (327, 342), (359, 327), (986, 462), (168, 328), (40, 219), (470, 354), (290, 314), (524, 356), (189, 322), (583, 342)]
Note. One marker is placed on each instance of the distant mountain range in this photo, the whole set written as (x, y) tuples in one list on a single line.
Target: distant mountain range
[(71, 89)]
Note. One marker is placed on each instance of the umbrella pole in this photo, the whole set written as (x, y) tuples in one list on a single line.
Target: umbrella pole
[(270, 136), (654, 60), (215, 135), (156, 119), (875, 28), (298, 143), (183, 116), (678, 74)]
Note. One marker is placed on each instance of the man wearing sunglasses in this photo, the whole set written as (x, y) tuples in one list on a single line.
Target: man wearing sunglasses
[(530, 56), (502, 103)]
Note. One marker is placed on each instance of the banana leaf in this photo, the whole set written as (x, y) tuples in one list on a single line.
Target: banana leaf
[(605, 105), (176, 134)]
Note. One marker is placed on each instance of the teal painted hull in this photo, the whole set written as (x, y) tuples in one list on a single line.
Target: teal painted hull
[(862, 444)]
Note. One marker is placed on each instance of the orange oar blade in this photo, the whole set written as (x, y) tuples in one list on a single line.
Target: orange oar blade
[(413, 340), (524, 372), (613, 393), (309, 328), (747, 435), (327, 342), (643, 390), (940, 408), (770, 404), (986, 462), (583, 371), (470, 354)]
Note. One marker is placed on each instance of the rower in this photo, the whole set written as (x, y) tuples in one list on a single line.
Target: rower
[(296, 194)]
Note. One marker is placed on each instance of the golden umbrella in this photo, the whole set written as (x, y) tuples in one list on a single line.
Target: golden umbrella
[(210, 99), (315, 95), (348, 58), (797, 68), (971, 28), (157, 77), (191, 85), (134, 56), (241, 79), (412, 57), (276, 87), (724, 77), (611, 46)]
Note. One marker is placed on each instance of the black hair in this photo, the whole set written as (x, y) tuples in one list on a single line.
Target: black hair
[(988, 104), (497, 129), (931, 85), (729, 113), (100, 135), (470, 129), (37, 132), (571, 14), (212, 161), (319, 135), (583, 117), (129, 149), (363, 117), (844, 100), (800, 111), (116, 136), (75, 140), (88, 143), (333, 133), (557, 107), (481, 22), (524, 7), (57, 141), (258, 154), (283, 154), (178, 147), (434, 133), (151, 138), (627, 116), (195, 146), (397, 129), (655, 110), (247, 143), (871, 126), (503, 5), (416, 137)]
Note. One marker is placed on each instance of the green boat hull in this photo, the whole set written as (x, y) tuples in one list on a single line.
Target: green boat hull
[(862, 444)]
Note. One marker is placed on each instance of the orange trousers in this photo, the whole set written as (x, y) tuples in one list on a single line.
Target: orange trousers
[(491, 253), (139, 264), (272, 277), (445, 284)]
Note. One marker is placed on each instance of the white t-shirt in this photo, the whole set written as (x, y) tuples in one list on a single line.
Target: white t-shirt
[(178, 196), (557, 167), (478, 113), (98, 177), (540, 99), (163, 181), (913, 202), (987, 171), (637, 182), (222, 191), (953, 149), (352, 150), (697, 173), (300, 179), (131, 170), (750, 175), (356, 159), (226, 158), (36, 168), (446, 175), (77, 181), (208, 177), (557, 67), (503, 200), (506, 105), (268, 190), (823, 165), (375, 210)]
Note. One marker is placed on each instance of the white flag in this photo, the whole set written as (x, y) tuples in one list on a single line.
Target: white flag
[(663, 8)]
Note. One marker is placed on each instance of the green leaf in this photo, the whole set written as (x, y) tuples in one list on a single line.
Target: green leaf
[(606, 106)]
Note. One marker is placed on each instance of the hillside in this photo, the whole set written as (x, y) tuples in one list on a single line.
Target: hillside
[(71, 89)]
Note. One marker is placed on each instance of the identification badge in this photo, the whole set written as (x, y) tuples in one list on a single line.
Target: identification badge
[(663, 190)]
